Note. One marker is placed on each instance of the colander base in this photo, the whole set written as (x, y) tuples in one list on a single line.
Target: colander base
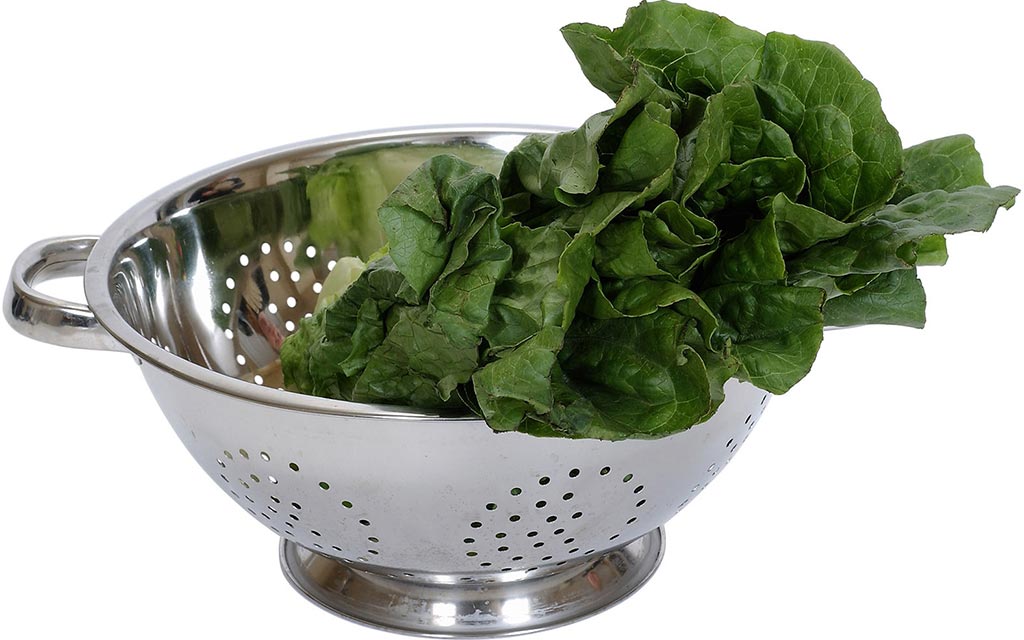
[(479, 604)]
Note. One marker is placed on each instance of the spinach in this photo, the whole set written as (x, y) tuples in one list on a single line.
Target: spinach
[(743, 192)]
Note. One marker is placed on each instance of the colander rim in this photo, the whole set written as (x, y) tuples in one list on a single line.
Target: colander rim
[(160, 204)]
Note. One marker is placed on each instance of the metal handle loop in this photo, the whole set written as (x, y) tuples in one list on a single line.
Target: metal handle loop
[(46, 318)]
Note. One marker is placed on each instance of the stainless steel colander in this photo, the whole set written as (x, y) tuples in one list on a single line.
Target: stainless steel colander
[(415, 522)]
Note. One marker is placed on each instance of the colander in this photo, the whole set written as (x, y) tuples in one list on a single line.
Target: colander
[(417, 522)]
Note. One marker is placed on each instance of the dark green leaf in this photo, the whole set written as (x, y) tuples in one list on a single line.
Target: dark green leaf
[(678, 239), (631, 377), (603, 66), (896, 297), (607, 69), (949, 164), (518, 383), (732, 120), (622, 251), (356, 320), (462, 296), (854, 282), (720, 366), (571, 162), (610, 299), (443, 200), (736, 184), (521, 171), (331, 347), (670, 241), (548, 272), (834, 116), (617, 275), (753, 256), (431, 350), (418, 363), (774, 331), (694, 51), (590, 217), (645, 156), (800, 226), (887, 240)]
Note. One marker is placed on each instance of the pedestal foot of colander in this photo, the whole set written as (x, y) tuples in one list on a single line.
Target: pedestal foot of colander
[(478, 604)]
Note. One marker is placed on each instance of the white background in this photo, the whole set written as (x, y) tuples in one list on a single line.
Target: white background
[(881, 498)]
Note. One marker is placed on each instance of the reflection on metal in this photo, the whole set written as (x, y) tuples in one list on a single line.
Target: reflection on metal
[(475, 604)]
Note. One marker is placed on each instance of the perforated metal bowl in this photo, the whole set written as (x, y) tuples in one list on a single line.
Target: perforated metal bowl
[(411, 521)]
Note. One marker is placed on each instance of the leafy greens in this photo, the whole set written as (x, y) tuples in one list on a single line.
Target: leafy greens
[(744, 191)]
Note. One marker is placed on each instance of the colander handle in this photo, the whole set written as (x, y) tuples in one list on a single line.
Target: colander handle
[(46, 318)]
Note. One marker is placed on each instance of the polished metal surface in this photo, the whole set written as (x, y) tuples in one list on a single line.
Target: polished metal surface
[(202, 282), (43, 317), (495, 604), (445, 497)]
